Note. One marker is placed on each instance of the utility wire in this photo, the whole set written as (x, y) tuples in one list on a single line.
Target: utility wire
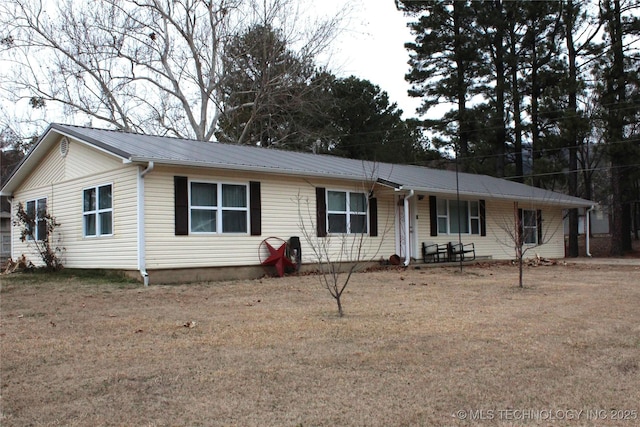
[(581, 170)]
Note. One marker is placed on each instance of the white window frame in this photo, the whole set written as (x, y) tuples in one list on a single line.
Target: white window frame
[(349, 212), (34, 235), (97, 211), (530, 230), (471, 218), (219, 209)]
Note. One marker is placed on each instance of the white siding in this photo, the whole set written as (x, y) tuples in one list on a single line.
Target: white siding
[(285, 202), (288, 206), (64, 201), (79, 162), (82, 161), (50, 171), (498, 244)]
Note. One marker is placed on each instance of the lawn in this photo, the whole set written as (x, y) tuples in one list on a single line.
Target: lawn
[(430, 346)]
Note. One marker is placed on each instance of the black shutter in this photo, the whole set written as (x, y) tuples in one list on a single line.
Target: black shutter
[(433, 210), (255, 208), (373, 217), (539, 225), (42, 229), (483, 221), (520, 228), (321, 212), (181, 198)]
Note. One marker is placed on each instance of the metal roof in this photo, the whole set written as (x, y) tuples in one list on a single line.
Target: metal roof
[(139, 148)]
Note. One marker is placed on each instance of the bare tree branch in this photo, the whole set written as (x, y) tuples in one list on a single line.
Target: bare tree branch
[(152, 66)]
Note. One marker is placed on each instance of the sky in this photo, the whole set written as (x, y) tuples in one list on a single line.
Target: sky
[(370, 46), (373, 49)]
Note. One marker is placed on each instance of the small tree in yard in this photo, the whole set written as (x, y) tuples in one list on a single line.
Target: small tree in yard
[(337, 255), (36, 228), (524, 233)]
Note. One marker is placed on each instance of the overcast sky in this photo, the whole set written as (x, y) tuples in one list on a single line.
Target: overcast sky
[(373, 49)]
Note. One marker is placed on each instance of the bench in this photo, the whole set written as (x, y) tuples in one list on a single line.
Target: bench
[(460, 251)]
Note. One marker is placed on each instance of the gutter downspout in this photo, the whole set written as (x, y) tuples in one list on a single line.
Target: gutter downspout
[(142, 264), (587, 227), (407, 252), (11, 226)]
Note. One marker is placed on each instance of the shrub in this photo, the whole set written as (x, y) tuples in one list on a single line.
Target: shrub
[(28, 223)]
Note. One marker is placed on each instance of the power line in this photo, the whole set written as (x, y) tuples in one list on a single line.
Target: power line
[(551, 150), (581, 170)]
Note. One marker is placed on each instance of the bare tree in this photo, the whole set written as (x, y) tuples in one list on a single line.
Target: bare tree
[(338, 255), (527, 230), (152, 66)]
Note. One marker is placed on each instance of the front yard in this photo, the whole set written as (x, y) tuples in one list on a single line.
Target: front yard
[(417, 347)]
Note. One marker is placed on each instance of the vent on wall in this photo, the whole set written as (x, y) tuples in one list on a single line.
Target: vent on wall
[(64, 146)]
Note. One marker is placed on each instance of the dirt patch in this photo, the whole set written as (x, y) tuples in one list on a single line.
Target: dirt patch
[(417, 347)]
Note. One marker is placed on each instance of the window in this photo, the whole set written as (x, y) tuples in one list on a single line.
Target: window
[(98, 211), (454, 216), (529, 227), (346, 212), (37, 209), (218, 208)]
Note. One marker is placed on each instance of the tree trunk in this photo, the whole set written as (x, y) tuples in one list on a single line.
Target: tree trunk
[(518, 241), (571, 129), (463, 137), (499, 121), (515, 95), (520, 269), (615, 99), (535, 132), (617, 212)]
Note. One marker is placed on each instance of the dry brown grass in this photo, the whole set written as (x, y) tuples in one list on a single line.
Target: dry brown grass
[(414, 348)]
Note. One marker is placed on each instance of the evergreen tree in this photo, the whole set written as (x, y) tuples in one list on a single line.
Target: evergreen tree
[(445, 62), (574, 125), (369, 127), (273, 94), (619, 71)]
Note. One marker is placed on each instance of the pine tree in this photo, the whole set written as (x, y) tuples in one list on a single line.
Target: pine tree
[(620, 72), (445, 62)]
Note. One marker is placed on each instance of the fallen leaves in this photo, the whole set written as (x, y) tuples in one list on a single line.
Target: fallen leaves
[(20, 264)]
